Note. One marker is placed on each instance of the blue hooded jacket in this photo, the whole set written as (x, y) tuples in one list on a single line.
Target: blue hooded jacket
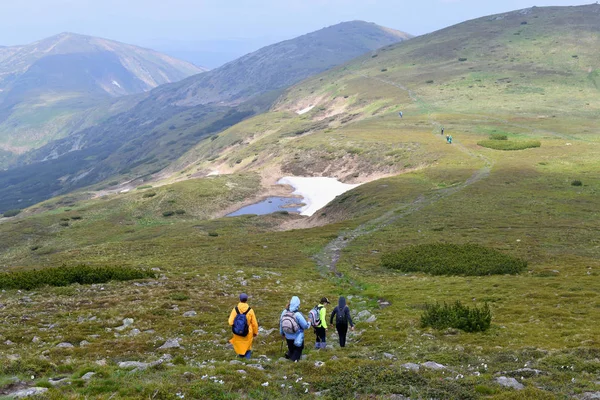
[(298, 337)]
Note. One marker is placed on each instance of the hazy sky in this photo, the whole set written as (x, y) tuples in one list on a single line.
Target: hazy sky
[(146, 22)]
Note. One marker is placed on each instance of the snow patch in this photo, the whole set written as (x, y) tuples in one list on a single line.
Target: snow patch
[(213, 173), (305, 110), (116, 84), (317, 192)]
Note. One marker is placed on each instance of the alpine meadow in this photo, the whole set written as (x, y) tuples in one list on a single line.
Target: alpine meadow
[(468, 248)]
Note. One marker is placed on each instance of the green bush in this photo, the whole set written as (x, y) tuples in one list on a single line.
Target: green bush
[(452, 259), (148, 195), (63, 223), (11, 213), (76, 217), (457, 316), (144, 187), (64, 276), (498, 136), (168, 213), (179, 212), (576, 183), (213, 234), (509, 145), (462, 59)]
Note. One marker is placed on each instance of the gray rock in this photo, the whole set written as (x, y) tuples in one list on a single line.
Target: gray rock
[(102, 362), (371, 319), (433, 365), (319, 363), (509, 382), (134, 332), (203, 332), (133, 364), (235, 362), (388, 355), (411, 366), (127, 322), (34, 391), (256, 366), (58, 381), (36, 339), (190, 313), (241, 371), (8, 343), (83, 343), (589, 396), (88, 376), (170, 344), (65, 345), (363, 315), (428, 336)]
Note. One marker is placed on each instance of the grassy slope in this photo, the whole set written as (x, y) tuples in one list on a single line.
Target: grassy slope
[(520, 202)]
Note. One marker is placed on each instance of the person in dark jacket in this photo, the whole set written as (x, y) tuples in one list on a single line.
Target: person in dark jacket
[(342, 318)]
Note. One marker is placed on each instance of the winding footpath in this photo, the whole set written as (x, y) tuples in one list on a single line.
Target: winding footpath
[(329, 257)]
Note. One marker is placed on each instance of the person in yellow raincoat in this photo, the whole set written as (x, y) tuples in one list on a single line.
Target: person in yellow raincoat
[(242, 344)]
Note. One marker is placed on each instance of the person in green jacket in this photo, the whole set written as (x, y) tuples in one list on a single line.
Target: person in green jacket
[(321, 329)]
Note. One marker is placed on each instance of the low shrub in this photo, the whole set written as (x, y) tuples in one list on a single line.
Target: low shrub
[(76, 217), (384, 70), (498, 136), (452, 259), (144, 187), (429, 81), (576, 183), (168, 213), (63, 223), (213, 234), (457, 316), (64, 276), (11, 213), (510, 145), (148, 195), (179, 212), (462, 59)]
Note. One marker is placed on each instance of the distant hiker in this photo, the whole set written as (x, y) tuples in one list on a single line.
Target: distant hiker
[(318, 319), (400, 114), (450, 139), (342, 319), (447, 138), (244, 327), (292, 326), (442, 131)]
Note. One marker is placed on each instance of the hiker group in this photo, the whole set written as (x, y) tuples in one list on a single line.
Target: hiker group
[(448, 137), (292, 325)]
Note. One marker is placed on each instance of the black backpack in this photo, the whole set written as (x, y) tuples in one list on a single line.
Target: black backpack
[(240, 323), (340, 316)]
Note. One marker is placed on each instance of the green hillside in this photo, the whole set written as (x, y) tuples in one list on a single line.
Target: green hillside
[(460, 206)]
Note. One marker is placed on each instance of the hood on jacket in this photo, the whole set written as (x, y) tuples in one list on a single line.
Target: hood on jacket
[(294, 304), (341, 303)]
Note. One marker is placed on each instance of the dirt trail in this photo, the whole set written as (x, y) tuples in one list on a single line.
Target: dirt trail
[(328, 258)]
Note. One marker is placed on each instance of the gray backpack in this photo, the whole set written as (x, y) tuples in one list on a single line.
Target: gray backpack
[(289, 324)]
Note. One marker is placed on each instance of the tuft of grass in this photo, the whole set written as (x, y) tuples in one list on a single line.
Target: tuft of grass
[(144, 187), (168, 213), (576, 182), (148, 195), (64, 276), (498, 136), (457, 316), (11, 213), (508, 145), (452, 259)]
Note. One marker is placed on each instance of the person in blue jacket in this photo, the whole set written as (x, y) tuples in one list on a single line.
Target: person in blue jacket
[(292, 325)]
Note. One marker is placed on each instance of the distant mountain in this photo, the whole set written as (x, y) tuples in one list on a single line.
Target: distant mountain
[(281, 65), (45, 84), (175, 117)]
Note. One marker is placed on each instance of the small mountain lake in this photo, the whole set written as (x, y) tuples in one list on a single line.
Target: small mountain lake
[(271, 205)]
